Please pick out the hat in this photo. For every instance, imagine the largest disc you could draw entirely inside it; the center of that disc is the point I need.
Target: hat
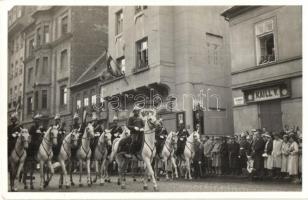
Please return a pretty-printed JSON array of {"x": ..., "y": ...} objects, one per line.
[
  {"x": 57, "y": 116},
  {"x": 243, "y": 134},
  {"x": 76, "y": 116},
  {"x": 37, "y": 116},
  {"x": 115, "y": 118},
  {"x": 285, "y": 136},
  {"x": 267, "y": 135},
  {"x": 136, "y": 107}
]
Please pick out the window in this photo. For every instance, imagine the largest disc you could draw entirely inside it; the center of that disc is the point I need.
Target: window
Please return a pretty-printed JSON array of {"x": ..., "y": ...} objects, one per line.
[
  {"x": 63, "y": 95},
  {"x": 142, "y": 53},
  {"x": 30, "y": 71},
  {"x": 19, "y": 12},
  {"x": 86, "y": 101},
  {"x": 44, "y": 99},
  {"x": 64, "y": 59},
  {"x": 93, "y": 97},
  {"x": 64, "y": 25},
  {"x": 38, "y": 37},
  {"x": 31, "y": 47},
  {"x": 36, "y": 97},
  {"x": 29, "y": 105},
  {"x": 46, "y": 34},
  {"x": 265, "y": 42},
  {"x": 119, "y": 22},
  {"x": 121, "y": 63},
  {"x": 140, "y": 8},
  {"x": 45, "y": 65},
  {"x": 12, "y": 46},
  {"x": 37, "y": 64}
]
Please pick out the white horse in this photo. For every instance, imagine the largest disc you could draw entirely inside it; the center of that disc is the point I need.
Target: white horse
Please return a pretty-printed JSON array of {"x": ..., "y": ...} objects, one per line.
[
  {"x": 18, "y": 157},
  {"x": 65, "y": 155},
  {"x": 147, "y": 153},
  {"x": 100, "y": 156},
  {"x": 189, "y": 153},
  {"x": 84, "y": 152},
  {"x": 45, "y": 153},
  {"x": 168, "y": 153}
]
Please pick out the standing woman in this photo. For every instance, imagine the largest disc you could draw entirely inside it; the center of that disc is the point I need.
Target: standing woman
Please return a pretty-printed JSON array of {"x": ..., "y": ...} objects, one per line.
[
  {"x": 293, "y": 158},
  {"x": 216, "y": 163},
  {"x": 276, "y": 153},
  {"x": 300, "y": 144},
  {"x": 268, "y": 159},
  {"x": 285, "y": 155}
]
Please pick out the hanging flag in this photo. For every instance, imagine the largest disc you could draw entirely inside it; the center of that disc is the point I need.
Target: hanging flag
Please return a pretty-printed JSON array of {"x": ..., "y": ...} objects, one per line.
[{"x": 113, "y": 68}]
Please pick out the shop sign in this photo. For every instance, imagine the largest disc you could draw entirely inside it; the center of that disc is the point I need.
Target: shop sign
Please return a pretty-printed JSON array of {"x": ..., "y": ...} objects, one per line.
[
  {"x": 238, "y": 101},
  {"x": 267, "y": 93}
]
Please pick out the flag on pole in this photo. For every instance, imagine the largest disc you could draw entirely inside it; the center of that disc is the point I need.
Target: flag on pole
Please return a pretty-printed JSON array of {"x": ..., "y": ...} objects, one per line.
[{"x": 113, "y": 67}]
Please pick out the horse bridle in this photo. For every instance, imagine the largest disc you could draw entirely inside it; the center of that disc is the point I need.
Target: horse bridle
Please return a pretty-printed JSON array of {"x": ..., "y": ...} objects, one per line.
[{"x": 51, "y": 136}]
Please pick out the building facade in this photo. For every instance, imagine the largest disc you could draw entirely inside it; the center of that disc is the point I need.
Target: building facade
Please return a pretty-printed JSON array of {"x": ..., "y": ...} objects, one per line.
[
  {"x": 18, "y": 19},
  {"x": 60, "y": 43},
  {"x": 172, "y": 57},
  {"x": 266, "y": 63}
]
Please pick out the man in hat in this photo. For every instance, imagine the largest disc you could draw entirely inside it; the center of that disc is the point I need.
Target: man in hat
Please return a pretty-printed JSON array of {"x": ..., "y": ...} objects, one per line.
[
  {"x": 245, "y": 149},
  {"x": 136, "y": 125},
  {"x": 61, "y": 134},
  {"x": 13, "y": 130},
  {"x": 233, "y": 149},
  {"x": 182, "y": 137},
  {"x": 207, "y": 149},
  {"x": 36, "y": 132},
  {"x": 257, "y": 152},
  {"x": 160, "y": 136},
  {"x": 116, "y": 130}
]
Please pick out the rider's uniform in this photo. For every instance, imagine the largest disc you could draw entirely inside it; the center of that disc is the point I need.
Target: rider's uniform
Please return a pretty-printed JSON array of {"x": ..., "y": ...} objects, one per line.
[
  {"x": 160, "y": 137},
  {"x": 133, "y": 123},
  {"x": 182, "y": 137},
  {"x": 80, "y": 128},
  {"x": 36, "y": 132},
  {"x": 115, "y": 132}
]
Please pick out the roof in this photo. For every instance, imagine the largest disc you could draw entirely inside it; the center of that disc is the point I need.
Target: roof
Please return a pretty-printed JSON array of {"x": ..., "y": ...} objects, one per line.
[
  {"x": 94, "y": 70},
  {"x": 236, "y": 10}
]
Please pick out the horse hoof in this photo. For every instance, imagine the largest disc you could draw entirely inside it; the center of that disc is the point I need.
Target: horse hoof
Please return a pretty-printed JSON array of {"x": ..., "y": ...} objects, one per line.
[
  {"x": 135, "y": 180},
  {"x": 80, "y": 185},
  {"x": 123, "y": 187},
  {"x": 60, "y": 186},
  {"x": 72, "y": 184},
  {"x": 67, "y": 186},
  {"x": 31, "y": 187},
  {"x": 94, "y": 181},
  {"x": 145, "y": 187},
  {"x": 156, "y": 189},
  {"x": 25, "y": 187},
  {"x": 101, "y": 184}
]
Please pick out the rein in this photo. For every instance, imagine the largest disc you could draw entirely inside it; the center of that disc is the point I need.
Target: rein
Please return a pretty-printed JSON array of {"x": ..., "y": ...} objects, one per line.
[{"x": 18, "y": 155}]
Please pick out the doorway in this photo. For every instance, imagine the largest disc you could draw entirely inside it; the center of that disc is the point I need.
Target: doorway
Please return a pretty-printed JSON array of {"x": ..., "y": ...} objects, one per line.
[{"x": 270, "y": 116}]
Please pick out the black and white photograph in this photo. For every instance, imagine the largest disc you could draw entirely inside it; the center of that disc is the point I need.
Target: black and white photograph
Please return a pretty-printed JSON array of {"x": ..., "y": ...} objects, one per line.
[{"x": 128, "y": 98}]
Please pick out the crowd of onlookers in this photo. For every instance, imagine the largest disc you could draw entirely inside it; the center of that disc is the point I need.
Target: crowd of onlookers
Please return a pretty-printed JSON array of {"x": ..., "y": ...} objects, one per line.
[{"x": 257, "y": 154}]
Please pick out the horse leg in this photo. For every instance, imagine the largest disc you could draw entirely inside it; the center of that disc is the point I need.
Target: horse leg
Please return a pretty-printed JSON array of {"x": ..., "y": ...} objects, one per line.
[
  {"x": 71, "y": 168},
  {"x": 52, "y": 171},
  {"x": 20, "y": 167},
  {"x": 13, "y": 176},
  {"x": 24, "y": 177},
  {"x": 151, "y": 172},
  {"x": 174, "y": 166},
  {"x": 89, "y": 172},
  {"x": 32, "y": 167},
  {"x": 41, "y": 174},
  {"x": 188, "y": 168},
  {"x": 102, "y": 172},
  {"x": 64, "y": 174},
  {"x": 96, "y": 171},
  {"x": 80, "y": 172},
  {"x": 165, "y": 160}
]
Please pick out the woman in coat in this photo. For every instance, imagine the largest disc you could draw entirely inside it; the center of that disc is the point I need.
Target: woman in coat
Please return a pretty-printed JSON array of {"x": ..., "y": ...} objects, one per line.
[
  {"x": 285, "y": 155},
  {"x": 216, "y": 163},
  {"x": 293, "y": 157},
  {"x": 268, "y": 160}
]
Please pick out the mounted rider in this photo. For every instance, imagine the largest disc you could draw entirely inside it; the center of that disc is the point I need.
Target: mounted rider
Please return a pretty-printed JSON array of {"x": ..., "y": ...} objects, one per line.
[
  {"x": 116, "y": 130},
  {"x": 136, "y": 125},
  {"x": 160, "y": 136},
  {"x": 13, "y": 130},
  {"x": 76, "y": 126},
  {"x": 182, "y": 137},
  {"x": 61, "y": 135},
  {"x": 98, "y": 130}
]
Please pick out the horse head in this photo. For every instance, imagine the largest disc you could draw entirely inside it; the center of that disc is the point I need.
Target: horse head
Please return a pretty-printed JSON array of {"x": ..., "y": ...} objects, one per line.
[
  {"x": 53, "y": 134},
  {"x": 74, "y": 137},
  {"x": 89, "y": 131},
  {"x": 174, "y": 137},
  {"x": 106, "y": 138},
  {"x": 151, "y": 122},
  {"x": 25, "y": 137},
  {"x": 196, "y": 137}
]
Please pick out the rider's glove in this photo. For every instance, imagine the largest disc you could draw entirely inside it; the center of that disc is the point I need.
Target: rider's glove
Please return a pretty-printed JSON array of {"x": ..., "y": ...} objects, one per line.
[{"x": 136, "y": 128}]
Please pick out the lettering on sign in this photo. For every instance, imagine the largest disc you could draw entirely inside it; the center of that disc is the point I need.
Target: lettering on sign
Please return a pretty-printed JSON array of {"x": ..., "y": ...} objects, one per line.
[
  {"x": 238, "y": 101},
  {"x": 267, "y": 94}
]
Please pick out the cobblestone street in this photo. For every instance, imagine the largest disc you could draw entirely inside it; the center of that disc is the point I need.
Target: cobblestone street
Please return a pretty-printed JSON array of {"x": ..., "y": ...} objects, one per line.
[{"x": 203, "y": 185}]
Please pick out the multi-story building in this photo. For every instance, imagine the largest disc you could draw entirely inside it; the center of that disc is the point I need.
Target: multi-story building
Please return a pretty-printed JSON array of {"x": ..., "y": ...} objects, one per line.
[
  {"x": 176, "y": 52},
  {"x": 18, "y": 18},
  {"x": 266, "y": 63},
  {"x": 60, "y": 43}
]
